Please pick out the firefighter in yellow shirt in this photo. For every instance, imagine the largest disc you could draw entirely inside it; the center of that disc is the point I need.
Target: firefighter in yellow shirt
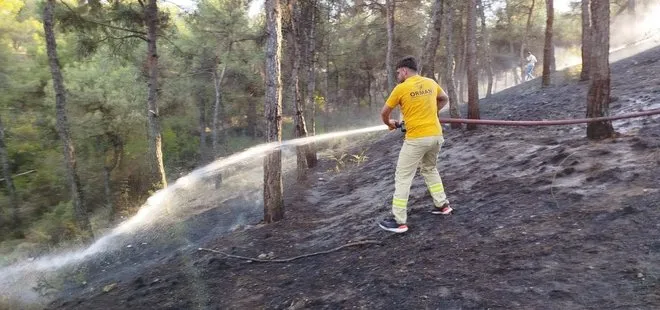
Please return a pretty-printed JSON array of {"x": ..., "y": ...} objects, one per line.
[{"x": 420, "y": 99}]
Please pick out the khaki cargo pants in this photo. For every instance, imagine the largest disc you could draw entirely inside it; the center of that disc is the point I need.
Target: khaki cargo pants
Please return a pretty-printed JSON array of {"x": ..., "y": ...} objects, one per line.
[{"x": 422, "y": 153}]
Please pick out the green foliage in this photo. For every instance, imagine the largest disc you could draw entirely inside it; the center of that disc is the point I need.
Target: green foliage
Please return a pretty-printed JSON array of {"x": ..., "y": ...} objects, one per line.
[
  {"x": 55, "y": 226},
  {"x": 344, "y": 160},
  {"x": 102, "y": 51}
]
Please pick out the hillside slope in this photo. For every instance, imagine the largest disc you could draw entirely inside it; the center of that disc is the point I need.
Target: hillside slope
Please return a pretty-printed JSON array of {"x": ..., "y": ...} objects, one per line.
[{"x": 544, "y": 219}]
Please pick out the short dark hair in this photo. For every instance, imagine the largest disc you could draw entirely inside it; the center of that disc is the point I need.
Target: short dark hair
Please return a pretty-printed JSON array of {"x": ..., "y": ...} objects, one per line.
[{"x": 408, "y": 62}]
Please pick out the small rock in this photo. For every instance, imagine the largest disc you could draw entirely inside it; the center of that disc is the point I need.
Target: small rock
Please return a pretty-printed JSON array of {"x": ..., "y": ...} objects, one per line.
[
  {"x": 640, "y": 275},
  {"x": 129, "y": 246},
  {"x": 262, "y": 256},
  {"x": 109, "y": 287}
]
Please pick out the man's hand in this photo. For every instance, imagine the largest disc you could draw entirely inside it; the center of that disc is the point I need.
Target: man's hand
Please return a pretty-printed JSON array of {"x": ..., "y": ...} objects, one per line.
[
  {"x": 442, "y": 100},
  {"x": 392, "y": 124}
]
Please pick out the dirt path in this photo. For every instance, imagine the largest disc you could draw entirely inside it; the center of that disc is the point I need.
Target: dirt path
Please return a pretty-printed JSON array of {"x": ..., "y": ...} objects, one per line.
[{"x": 545, "y": 219}]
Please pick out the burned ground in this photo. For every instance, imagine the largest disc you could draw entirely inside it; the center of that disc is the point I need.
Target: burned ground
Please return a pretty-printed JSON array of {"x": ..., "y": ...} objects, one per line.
[{"x": 545, "y": 219}]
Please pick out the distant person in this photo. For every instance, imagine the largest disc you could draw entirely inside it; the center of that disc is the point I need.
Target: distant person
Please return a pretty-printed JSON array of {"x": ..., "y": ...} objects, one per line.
[
  {"x": 529, "y": 68},
  {"x": 420, "y": 99}
]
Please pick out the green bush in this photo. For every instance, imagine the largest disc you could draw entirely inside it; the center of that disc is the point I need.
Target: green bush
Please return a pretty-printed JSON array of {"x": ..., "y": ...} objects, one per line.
[{"x": 54, "y": 226}]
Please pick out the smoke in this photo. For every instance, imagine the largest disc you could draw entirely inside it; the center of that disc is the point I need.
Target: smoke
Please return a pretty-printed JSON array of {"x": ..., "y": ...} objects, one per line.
[{"x": 630, "y": 34}]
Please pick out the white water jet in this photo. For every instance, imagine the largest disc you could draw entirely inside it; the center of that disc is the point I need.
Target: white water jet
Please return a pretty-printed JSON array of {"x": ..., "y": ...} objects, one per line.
[{"x": 168, "y": 205}]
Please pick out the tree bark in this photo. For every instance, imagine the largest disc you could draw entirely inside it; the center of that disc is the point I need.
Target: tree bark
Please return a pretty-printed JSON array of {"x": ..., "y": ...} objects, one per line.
[
  {"x": 524, "y": 41},
  {"x": 273, "y": 198},
  {"x": 472, "y": 72},
  {"x": 9, "y": 182},
  {"x": 201, "y": 120},
  {"x": 598, "y": 98},
  {"x": 586, "y": 40},
  {"x": 389, "y": 7},
  {"x": 432, "y": 41},
  {"x": 115, "y": 144},
  {"x": 62, "y": 124},
  {"x": 450, "y": 67},
  {"x": 461, "y": 53},
  {"x": 486, "y": 52},
  {"x": 516, "y": 76},
  {"x": 154, "y": 139},
  {"x": 312, "y": 159},
  {"x": 548, "y": 48},
  {"x": 300, "y": 128},
  {"x": 217, "y": 136}
]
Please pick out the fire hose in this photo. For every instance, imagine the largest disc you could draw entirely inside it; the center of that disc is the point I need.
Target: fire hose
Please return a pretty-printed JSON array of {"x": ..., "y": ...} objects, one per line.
[{"x": 548, "y": 122}]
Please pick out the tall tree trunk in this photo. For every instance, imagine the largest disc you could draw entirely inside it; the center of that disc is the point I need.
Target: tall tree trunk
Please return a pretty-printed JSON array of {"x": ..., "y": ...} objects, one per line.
[
  {"x": 273, "y": 198},
  {"x": 632, "y": 7},
  {"x": 486, "y": 52},
  {"x": 217, "y": 136},
  {"x": 9, "y": 182},
  {"x": 586, "y": 40},
  {"x": 62, "y": 124},
  {"x": 450, "y": 67},
  {"x": 154, "y": 139},
  {"x": 523, "y": 44},
  {"x": 311, "y": 79},
  {"x": 201, "y": 120},
  {"x": 472, "y": 72},
  {"x": 115, "y": 144},
  {"x": 548, "y": 48},
  {"x": 461, "y": 52},
  {"x": 300, "y": 128},
  {"x": 598, "y": 98},
  {"x": 516, "y": 76},
  {"x": 389, "y": 7},
  {"x": 432, "y": 41}
]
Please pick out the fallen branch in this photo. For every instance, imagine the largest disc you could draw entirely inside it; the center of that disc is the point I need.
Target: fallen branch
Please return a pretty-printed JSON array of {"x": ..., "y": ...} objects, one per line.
[{"x": 286, "y": 260}]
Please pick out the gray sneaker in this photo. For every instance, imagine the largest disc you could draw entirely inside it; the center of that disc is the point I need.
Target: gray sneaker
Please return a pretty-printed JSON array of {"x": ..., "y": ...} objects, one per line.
[{"x": 391, "y": 225}]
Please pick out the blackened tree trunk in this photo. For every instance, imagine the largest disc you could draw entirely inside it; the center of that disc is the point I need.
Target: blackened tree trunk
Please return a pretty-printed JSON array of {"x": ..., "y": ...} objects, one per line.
[
  {"x": 432, "y": 41},
  {"x": 273, "y": 198},
  {"x": 310, "y": 21},
  {"x": 598, "y": 98},
  {"x": 154, "y": 139},
  {"x": 472, "y": 71},
  {"x": 548, "y": 48},
  {"x": 448, "y": 75},
  {"x": 300, "y": 128},
  {"x": 389, "y": 8},
  {"x": 9, "y": 182},
  {"x": 486, "y": 52},
  {"x": 586, "y": 40},
  {"x": 62, "y": 124}
]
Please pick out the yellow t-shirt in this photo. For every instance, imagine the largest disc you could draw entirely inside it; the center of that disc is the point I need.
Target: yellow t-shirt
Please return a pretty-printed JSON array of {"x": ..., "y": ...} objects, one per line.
[{"x": 416, "y": 97}]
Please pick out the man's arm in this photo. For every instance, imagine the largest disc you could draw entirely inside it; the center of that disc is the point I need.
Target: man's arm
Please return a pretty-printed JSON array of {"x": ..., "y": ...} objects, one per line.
[
  {"x": 442, "y": 100},
  {"x": 385, "y": 116}
]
